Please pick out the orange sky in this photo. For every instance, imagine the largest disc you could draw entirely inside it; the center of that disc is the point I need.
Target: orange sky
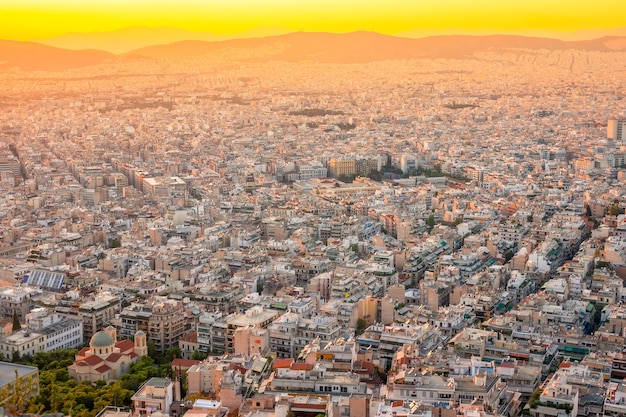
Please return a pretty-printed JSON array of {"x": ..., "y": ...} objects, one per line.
[{"x": 41, "y": 19}]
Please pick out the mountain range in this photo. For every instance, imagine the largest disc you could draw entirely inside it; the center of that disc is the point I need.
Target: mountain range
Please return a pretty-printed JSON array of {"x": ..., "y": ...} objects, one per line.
[{"x": 353, "y": 47}]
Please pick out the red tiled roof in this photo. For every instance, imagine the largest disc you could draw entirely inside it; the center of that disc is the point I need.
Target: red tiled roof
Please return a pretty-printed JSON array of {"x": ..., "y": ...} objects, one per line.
[
  {"x": 83, "y": 351},
  {"x": 183, "y": 363},
  {"x": 132, "y": 355},
  {"x": 238, "y": 368},
  {"x": 301, "y": 366},
  {"x": 565, "y": 365},
  {"x": 190, "y": 337},
  {"x": 114, "y": 357},
  {"x": 282, "y": 363},
  {"x": 125, "y": 345},
  {"x": 93, "y": 360},
  {"x": 102, "y": 369}
]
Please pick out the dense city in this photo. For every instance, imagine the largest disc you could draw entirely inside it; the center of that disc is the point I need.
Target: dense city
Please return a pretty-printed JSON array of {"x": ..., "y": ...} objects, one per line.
[{"x": 225, "y": 235}]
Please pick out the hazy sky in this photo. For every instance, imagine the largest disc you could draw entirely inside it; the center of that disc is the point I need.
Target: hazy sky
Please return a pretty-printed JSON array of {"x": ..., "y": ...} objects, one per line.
[{"x": 39, "y": 19}]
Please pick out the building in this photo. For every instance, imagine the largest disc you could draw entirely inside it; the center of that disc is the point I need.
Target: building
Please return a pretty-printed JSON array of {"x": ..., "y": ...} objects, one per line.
[
  {"x": 338, "y": 167},
  {"x": 59, "y": 332},
  {"x": 557, "y": 398},
  {"x": 161, "y": 319},
  {"x": 205, "y": 377},
  {"x": 188, "y": 344},
  {"x": 22, "y": 342},
  {"x": 17, "y": 300},
  {"x": 615, "y": 401},
  {"x": 106, "y": 358},
  {"x": 95, "y": 314},
  {"x": 164, "y": 186},
  {"x": 616, "y": 129},
  {"x": 157, "y": 394},
  {"x": 28, "y": 377}
]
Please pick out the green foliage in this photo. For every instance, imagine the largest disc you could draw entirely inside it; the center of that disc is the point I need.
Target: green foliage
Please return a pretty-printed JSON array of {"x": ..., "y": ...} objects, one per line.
[
  {"x": 375, "y": 175},
  {"x": 14, "y": 396},
  {"x": 615, "y": 210},
  {"x": 199, "y": 356},
  {"x": 172, "y": 353},
  {"x": 361, "y": 325},
  {"x": 347, "y": 178},
  {"x": 59, "y": 393},
  {"x": 430, "y": 221},
  {"x": 392, "y": 169},
  {"x": 16, "y": 322}
]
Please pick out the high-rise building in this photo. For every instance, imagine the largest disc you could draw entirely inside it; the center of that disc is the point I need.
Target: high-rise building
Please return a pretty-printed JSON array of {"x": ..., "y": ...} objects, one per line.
[{"x": 616, "y": 129}]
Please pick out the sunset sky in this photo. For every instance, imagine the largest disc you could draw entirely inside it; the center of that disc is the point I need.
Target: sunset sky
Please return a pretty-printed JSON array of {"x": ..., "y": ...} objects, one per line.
[{"x": 41, "y": 19}]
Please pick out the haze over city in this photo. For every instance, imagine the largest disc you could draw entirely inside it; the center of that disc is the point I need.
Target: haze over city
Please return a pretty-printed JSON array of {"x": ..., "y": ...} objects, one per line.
[{"x": 312, "y": 209}]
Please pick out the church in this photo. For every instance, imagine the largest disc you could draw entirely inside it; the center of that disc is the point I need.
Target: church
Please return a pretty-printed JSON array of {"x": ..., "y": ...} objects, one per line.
[{"x": 106, "y": 358}]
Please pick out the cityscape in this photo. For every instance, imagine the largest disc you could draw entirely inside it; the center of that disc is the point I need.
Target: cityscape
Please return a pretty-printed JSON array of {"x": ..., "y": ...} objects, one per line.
[{"x": 313, "y": 223}]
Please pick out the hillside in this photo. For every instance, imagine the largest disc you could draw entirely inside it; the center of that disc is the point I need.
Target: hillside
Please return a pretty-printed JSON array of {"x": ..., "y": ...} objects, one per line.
[{"x": 30, "y": 56}]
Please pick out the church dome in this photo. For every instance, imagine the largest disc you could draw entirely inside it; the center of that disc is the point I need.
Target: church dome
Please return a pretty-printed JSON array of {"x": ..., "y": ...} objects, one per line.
[{"x": 101, "y": 339}]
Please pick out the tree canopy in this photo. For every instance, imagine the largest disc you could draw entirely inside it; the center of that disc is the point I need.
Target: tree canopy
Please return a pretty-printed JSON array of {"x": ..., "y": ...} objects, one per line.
[{"x": 59, "y": 393}]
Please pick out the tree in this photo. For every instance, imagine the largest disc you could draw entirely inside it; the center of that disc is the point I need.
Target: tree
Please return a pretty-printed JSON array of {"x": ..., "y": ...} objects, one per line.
[
  {"x": 361, "y": 325},
  {"x": 14, "y": 397},
  {"x": 615, "y": 210},
  {"x": 198, "y": 356},
  {"x": 16, "y": 322},
  {"x": 375, "y": 175},
  {"x": 430, "y": 221},
  {"x": 172, "y": 353}
]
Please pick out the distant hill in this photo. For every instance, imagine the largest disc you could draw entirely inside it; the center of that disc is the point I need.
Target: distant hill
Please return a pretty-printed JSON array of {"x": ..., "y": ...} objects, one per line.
[
  {"x": 354, "y": 47},
  {"x": 128, "y": 39},
  {"x": 359, "y": 47},
  {"x": 32, "y": 56}
]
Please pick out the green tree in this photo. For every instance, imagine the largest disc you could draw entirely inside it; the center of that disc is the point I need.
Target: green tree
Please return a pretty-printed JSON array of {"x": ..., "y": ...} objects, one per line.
[
  {"x": 430, "y": 221},
  {"x": 14, "y": 396},
  {"x": 172, "y": 353},
  {"x": 375, "y": 175},
  {"x": 361, "y": 325},
  {"x": 198, "y": 356},
  {"x": 16, "y": 322},
  {"x": 59, "y": 393},
  {"x": 615, "y": 210}
]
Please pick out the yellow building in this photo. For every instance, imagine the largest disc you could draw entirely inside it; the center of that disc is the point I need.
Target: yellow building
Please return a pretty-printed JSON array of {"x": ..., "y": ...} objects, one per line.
[{"x": 337, "y": 167}]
